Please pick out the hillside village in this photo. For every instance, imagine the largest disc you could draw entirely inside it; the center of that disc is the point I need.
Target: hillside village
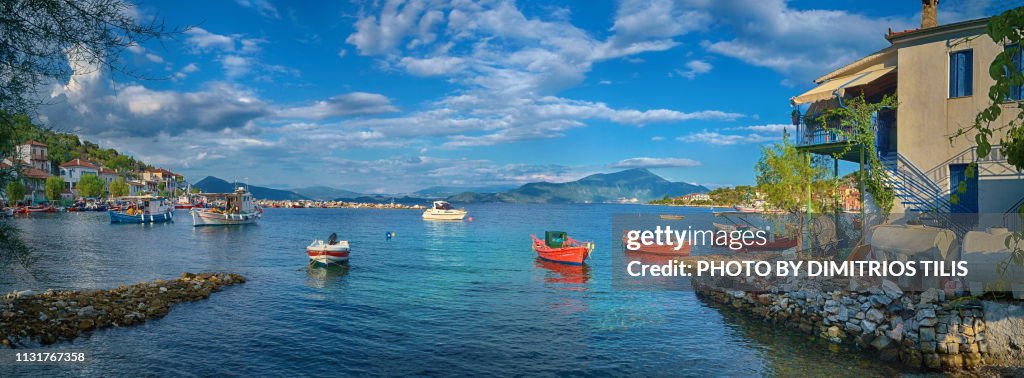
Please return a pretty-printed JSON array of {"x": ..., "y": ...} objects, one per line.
[{"x": 35, "y": 165}]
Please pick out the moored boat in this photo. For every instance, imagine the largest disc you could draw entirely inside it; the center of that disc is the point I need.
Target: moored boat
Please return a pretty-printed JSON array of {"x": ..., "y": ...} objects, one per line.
[
  {"x": 229, "y": 209},
  {"x": 36, "y": 209},
  {"x": 558, "y": 247},
  {"x": 442, "y": 210},
  {"x": 184, "y": 203},
  {"x": 671, "y": 217},
  {"x": 143, "y": 209},
  {"x": 332, "y": 252},
  {"x": 8, "y": 212}
]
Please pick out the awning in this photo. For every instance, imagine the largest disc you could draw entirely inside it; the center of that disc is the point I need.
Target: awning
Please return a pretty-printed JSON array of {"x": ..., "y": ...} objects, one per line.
[{"x": 838, "y": 85}]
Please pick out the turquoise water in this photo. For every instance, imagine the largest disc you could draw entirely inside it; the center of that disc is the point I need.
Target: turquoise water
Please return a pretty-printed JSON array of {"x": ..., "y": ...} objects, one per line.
[{"x": 439, "y": 298}]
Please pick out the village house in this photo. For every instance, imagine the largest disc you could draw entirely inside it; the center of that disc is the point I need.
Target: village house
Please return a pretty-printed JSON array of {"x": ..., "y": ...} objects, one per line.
[
  {"x": 108, "y": 176},
  {"x": 695, "y": 197},
  {"x": 156, "y": 177},
  {"x": 35, "y": 155},
  {"x": 940, "y": 76},
  {"x": 137, "y": 188},
  {"x": 34, "y": 181},
  {"x": 74, "y": 170}
]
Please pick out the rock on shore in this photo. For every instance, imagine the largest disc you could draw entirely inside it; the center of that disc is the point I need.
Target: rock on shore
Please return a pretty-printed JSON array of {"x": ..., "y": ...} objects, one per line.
[{"x": 63, "y": 315}]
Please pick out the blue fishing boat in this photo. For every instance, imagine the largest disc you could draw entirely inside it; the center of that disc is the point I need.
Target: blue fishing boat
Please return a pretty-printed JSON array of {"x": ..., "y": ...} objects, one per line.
[{"x": 143, "y": 209}]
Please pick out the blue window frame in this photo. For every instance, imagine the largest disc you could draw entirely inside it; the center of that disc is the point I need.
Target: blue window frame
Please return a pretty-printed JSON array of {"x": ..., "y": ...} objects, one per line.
[
  {"x": 961, "y": 73},
  {"x": 1016, "y": 91}
]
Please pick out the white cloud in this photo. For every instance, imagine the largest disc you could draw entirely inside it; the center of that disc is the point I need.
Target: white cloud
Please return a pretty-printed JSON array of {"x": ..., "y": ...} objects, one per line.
[
  {"x": 342, "y": 52},
  {"x": 694, "y": 68},
  {"x": 799, "y": 43},
  {"x": 235, "y": 65},
  {"x": 355, "y": 103},
  {"x": 190, "y": 68},
  {"x": 770, "y": 129},
  {"x": 202, "y": 40},
  {"x": 264, "y": 7},
  {"x": 649, "y": 162},
  {"x": 434, "y": 66},
  {"x": 716, "y": 138},
  {"x": 657, "y": 139}
]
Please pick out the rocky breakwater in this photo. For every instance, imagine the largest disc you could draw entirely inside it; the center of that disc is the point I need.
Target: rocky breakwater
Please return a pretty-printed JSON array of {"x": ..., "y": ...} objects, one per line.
[
  {"x": 919, "y": 330},
  {"x": 63, "y": 315}
]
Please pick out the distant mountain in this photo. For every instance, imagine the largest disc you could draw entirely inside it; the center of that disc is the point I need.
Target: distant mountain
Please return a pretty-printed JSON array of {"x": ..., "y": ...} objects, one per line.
[
  {"x": 324, "y": 193},
  {"x": 637, "y": 183},
  {"x": 212, "y": 184},
  {"x": 448, "y": 191}
]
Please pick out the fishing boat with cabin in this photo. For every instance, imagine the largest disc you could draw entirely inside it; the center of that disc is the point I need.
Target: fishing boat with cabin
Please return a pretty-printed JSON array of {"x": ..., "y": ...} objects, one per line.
[
  {"x": 558, "y": 247},
  {"x": 227, "y": 209},
  {"x": 143, "y": 209}
]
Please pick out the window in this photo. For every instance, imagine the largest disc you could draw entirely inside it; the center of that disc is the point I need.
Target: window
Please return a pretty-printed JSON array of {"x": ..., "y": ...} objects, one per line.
[
  {"x": 1016, "y": 90},
  {"x": 961, "y": 73}
]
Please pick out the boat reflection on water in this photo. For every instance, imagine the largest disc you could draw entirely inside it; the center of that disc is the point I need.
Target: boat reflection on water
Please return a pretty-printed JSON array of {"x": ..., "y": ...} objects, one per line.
[
  {"x": 324, "y": 276},
  {"x": 564, "y": 273}
]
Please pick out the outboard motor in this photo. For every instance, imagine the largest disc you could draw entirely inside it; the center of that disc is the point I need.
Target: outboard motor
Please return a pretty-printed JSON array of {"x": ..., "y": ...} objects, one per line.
[{"x": 333, "y": 239}]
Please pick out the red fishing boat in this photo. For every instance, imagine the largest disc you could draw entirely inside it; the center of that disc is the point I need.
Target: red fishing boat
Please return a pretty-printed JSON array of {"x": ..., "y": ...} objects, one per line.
[
  {"x": 559, "y": 247},
  {"x": 35, "y": 209}
]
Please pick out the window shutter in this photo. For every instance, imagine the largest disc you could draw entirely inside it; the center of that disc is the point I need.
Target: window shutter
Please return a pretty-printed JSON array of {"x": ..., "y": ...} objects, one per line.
[
  {"x": 968, "y": 67},
  {"x": 952, "y": 75}
]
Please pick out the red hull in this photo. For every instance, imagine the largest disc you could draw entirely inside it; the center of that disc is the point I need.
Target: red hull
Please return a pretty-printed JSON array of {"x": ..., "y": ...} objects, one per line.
[
  {"x": 184, "y": 207},
  {"x": 574, "y": 253},
  {"x": 326, "y": 253}
]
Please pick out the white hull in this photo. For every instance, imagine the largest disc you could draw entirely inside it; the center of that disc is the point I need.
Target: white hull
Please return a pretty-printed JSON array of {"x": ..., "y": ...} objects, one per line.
[
  {"x": 323, "y": 253},
  {"x": 435, "y": 214},
  {"x": 207, "y": 218}
]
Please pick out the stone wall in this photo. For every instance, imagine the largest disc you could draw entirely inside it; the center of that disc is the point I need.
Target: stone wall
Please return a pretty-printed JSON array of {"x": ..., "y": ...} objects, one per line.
[{"x": 919, "y": 330}]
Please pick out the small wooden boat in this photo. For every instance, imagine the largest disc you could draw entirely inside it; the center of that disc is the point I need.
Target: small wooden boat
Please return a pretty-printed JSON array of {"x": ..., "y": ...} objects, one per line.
[
  {"x": 143, "y": 209},
  {"x": 559, "y": 247},
  {"x": 35, "y": 209},
  {"x": 671, "y": 217},
  {"x": 667, "y": 249},
  {"x": 332, "y": 252},
  {"x": 733, "y": 227},
  {"x": 238, "y": 208}
]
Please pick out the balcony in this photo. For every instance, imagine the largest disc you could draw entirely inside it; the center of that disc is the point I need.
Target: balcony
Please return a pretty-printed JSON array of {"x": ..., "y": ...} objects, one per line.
[{"x": 829, "y": 137}]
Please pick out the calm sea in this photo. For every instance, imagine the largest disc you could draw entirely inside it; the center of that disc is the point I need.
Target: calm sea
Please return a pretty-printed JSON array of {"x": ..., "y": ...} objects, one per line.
[{"x": 466, "y": 298}]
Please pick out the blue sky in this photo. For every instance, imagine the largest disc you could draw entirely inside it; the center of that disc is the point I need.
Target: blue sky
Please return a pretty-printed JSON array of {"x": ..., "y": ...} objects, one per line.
[{"x": 394, "y": 96}]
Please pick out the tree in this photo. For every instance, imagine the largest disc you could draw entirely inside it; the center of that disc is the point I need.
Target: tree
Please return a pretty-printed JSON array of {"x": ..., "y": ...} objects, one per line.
[
  {"x": 16, "y": 191},
  {"x": 784, "y": 175},
  {"x": 857, "y": 126},
  {"x": 119, "y": 188},
  {"x": 90, "y": 186},
  {"x": 54, "y": 188}
]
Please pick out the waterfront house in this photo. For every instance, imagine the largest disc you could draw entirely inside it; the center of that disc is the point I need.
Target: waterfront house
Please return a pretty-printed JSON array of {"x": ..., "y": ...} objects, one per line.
[
  {"x": 74, "y": 170},
  {"x": 108, "y": 176},
  {"x": 940, "y": 77},
  {"x": 137, "y": 188},
  {"x": 34, "y": 181},
  {"x": 158, "y": 176},
  {"x": 34, "y": 154}
]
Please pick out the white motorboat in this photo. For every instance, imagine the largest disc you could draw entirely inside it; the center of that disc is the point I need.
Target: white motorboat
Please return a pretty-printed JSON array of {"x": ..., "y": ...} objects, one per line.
[
  {"x": 442, "y": 210},
  {"x": 229, "y": 209},
  {"x": 332, "y": 252}
]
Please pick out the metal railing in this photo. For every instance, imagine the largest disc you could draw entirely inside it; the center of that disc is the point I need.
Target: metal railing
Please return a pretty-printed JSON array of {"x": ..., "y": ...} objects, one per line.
[
  {"x": 1012, "y": 218},
  {"x": 813, "y": 130}
]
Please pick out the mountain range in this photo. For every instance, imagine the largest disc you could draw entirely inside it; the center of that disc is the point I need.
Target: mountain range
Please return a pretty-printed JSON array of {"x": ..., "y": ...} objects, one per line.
[
  {"x": 633, "y": 184},
  {"x": 212, "y": 184},
  {"x": 638, "y": 183}
]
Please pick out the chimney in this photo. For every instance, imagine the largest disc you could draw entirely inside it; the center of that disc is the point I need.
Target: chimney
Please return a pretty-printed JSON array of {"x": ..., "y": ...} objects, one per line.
[{"x": 929, "y": 13}]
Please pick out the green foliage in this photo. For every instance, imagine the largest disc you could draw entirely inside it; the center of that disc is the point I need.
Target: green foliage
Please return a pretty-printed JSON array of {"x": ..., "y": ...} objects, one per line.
[
  {"x": 857, "y": 125},
  {"x": 15, "y": 191},
  {"x": 54, "y": 188},
  {"x": 784, "y": 176},
  {"x": 119, "y": 188},
  {"x": 90, "y": 186}
]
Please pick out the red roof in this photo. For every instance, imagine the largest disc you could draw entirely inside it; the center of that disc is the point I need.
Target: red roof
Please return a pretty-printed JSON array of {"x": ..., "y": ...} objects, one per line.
[
  {"x": 78, "y": 163},
  {"x": 107, "y": 171},
  {"x": 34, "y": 173},
  {"x": 34, "y": 143}
]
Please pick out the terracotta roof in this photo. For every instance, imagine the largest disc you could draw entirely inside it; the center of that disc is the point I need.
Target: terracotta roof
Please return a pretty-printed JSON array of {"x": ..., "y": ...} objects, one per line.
[
  {"x": 107, "y": 171},
  {"x": 34, "y": 143},
  {"x": 78, "y": 163},
  {"x": 34, "y": 173}
]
